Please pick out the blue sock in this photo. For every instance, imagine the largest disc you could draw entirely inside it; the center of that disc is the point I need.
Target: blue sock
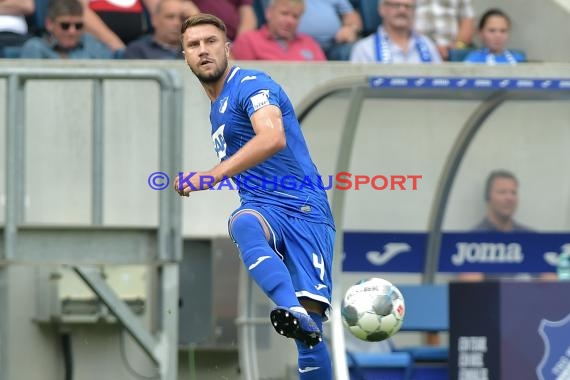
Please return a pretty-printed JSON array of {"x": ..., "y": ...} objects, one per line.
[
  {"x": 264, "y": 265},
  {"x": 315, "y": 363}
]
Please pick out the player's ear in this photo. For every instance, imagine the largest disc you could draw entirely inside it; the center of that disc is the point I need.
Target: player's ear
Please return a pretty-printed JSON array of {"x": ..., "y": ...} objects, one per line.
[{"x": 227, "y": 49}]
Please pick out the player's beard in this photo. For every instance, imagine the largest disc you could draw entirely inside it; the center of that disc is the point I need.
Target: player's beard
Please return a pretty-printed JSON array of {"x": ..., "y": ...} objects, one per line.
[{"x": 213, "y": 77}]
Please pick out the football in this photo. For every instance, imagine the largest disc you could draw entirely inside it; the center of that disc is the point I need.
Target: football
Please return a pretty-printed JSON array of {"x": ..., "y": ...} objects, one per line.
[{"x": 373, "y": 309}]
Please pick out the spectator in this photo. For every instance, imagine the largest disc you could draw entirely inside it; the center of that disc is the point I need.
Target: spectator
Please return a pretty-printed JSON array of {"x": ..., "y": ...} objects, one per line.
[
  {"x": 164, "y": 43},
  {"x": 501, "y": 195},
  {"x": 278, "y": 39},
  {"x": 334, "y": 24},
  {"x": 13, "y": 26},
  {"x": 450, "y": 24},
  {"x": 117, "y": 23},
  {"x": 66, "y": 38},
  {"x": 238, "y": 15},
  {"x": 494, "y": 33},
  {"x": 395, "y": 41}
]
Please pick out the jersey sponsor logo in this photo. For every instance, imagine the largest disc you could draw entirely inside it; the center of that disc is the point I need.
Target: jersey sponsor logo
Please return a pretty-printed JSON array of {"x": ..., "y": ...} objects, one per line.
[
  {"x": 260, "y": 99},
  {"x": 249, "y": 77},
  {"x": 224, "y": 105},
  {"x": 391, "y": 250},
  {"x": 219, "y": 142}
]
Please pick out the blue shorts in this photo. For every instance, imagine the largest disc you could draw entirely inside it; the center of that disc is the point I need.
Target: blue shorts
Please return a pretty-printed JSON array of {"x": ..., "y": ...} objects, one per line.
[{"x": 305, "y": 247}]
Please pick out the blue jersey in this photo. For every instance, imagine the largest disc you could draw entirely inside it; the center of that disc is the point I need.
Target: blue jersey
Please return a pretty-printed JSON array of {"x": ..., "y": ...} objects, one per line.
[
  {"x": 485, "y": 56},
  {"x": 289, "y": 180}
]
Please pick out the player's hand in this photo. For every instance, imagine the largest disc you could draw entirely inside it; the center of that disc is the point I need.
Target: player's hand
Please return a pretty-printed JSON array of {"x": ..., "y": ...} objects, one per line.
[{"x": 186, "y": 182}]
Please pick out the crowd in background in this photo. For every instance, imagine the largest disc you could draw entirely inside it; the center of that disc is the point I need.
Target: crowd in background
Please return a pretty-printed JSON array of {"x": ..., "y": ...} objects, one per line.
[{"x": 386, "y": 31}]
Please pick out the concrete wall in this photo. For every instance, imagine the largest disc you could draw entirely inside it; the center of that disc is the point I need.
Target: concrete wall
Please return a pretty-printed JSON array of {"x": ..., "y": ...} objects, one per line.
[{"x": 395, "y": 136}]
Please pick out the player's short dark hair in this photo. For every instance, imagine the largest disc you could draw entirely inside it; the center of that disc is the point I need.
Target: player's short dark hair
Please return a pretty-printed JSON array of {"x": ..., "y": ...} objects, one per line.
[
  {"x": 58, "y": 8},
  {"x": 203, "y": 19},
  {"x": 501, "y": 173},
  {"x": 493, "y": 12}
]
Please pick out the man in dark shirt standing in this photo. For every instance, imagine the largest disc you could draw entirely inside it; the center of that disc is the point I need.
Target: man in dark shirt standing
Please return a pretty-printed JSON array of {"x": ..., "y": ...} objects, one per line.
[{"x": 501, "y": 194}]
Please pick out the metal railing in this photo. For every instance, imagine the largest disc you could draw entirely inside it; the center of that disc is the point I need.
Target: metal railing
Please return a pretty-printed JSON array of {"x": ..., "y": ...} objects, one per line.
[{"x": 160, "y": 246}]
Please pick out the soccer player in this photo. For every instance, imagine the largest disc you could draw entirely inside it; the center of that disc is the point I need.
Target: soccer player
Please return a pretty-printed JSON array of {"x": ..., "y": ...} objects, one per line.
[{"x": 284, "y": 227}]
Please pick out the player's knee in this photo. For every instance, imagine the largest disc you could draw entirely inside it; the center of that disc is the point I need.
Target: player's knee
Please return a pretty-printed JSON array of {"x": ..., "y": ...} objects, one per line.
[{"x": 246, "y": 225}]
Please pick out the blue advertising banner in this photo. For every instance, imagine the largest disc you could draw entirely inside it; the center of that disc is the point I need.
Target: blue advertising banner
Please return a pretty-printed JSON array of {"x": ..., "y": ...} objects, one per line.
[
  {"x": 509, "y": 330},
  {"x": 460, "y": 252},
  {"x": 465, "y": 83}
]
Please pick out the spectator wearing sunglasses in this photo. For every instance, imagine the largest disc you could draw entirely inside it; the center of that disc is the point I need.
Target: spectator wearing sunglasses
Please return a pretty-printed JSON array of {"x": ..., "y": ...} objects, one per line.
[{"x": 65, "y": 35}]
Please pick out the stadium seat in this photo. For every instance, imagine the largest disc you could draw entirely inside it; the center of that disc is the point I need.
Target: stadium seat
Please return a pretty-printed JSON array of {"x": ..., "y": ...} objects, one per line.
[
  {"x": 385, "y": 365},
  {"x": 370, "y": 18},
  {"x": 427, "y": 307},
  {"x": 427, "y": 310}
]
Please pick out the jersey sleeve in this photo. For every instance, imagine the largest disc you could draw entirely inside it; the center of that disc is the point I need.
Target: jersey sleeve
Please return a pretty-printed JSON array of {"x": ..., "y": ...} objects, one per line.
[{"x": 257, "y": 91}]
